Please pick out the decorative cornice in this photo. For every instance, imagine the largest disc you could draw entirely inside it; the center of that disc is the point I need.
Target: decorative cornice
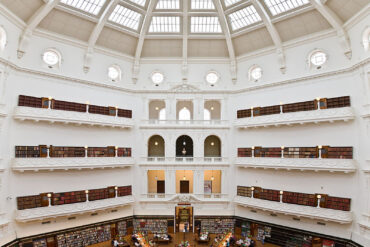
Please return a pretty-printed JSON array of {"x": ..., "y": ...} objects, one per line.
[
  {"x": 186, "y": 124},
  {"x": 302, "y": 164},
  {"x": 303, "y": 117},
  {"x": 51, "y": 164},
  {"x": 113, "y": 86},
  {"x": 70, "y": 117},
  {"x": 190, "y": 198},
  {"x": 325, "y": 214},
  {"x": 36, "y": 214},
  {"x": 185, "y": 161}
]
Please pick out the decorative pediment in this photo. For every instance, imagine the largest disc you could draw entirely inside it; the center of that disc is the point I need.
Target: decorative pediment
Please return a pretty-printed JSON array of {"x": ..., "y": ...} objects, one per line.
[
  {"x": 184, "y": 88},
  {"x": 184, "y": 198}
]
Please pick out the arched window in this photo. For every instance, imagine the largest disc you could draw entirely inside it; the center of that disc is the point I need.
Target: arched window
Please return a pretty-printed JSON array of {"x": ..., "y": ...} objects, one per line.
[
  {"x": 52, "y": 58},
  {"x": 184, "y": 114},
  {"x": 317, "y": 59},
  {"x": 114, "y": 73},
  {"x": 162, "y": 114},
  {"x": 207, "y": 114},
  {"x": 255, "y": 73},
  {"x": 2, "y": 38}
]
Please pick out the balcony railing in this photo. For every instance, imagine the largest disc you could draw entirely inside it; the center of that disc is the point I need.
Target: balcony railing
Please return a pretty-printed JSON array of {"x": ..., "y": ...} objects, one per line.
[
  {"x": 314, "y": 116},
  {"x": 325, "y": 214},
  {"x": 184, "y": 160},
  {"x": 71, "y": 117},
  {"x": 36, "y": 164},
  {"x": 156, "y": 123},
  {"x": 332, "y": 165},
  {"x": 72, "y": 209},
  {"x": 161, "y": 197}
]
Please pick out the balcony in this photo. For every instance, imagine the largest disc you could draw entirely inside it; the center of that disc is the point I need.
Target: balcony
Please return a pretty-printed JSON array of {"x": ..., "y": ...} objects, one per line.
[
  {"x": 302, "y": 164},
  {"x": 325, "y": 214},
  {"x": 71, "y": 117},
  {"x": 37, "y": 164},
  {"x": 71, "y": 209},
  {"x": 188, "y": 124},
  {"x": 302, "y": 117},
  {"x": 186, "y": 160},
  {"x": 175, "y": 198}
]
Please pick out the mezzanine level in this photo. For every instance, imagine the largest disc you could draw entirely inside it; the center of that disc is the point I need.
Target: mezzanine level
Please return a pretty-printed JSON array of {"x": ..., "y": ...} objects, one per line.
[
  {"x": 189, "y": 124},
  {"x": 184, "y": 160}
]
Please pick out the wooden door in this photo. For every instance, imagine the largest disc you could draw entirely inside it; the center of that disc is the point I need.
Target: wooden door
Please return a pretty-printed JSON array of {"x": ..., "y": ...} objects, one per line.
[
  {"x": 161, "y": 186},
  {"x": 184, "y": 187}
]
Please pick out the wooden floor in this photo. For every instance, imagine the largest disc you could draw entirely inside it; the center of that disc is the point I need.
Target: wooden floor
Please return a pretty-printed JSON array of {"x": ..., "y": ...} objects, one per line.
[{"x": 179, "y": 237}]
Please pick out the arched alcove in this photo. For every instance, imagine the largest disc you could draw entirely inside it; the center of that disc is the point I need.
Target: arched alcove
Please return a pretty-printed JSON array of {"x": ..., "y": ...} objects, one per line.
[
  {"x": 155, "y": 109},
  {"x": 184, "y": 146},
  {"x": 214, "y": 108},
  {"x": 212, "y": 146},
  {"x": 184, "y": 110},
  {"x": 156, "y": 146}
]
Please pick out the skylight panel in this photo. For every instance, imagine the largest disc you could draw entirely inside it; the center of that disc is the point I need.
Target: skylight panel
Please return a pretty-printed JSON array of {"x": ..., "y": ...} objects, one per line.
[
  {"x": 280, "y": 6},
  {"x": 125, "y": 17},
  {"x": 165, "y": 24},
  {"x": 89, "y": 6},
  {"x": 168, "y": 4},
  {"x": 244, "y": 17},
  {"x": 205, "y": 24},
  {"x": 202, "y": 4},
  {"x": 139, "y": 2},
  {"x": 230, "y": 2}
]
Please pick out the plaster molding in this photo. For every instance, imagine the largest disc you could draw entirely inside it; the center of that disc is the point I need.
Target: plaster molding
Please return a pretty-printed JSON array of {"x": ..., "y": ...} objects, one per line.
[
  {"x": 184, "y": 124},
  {"x": 325, "y": 214},
  {"x": 302, "y": 164},
  {"x": 181, "y": 198},
  {"x": 366, "y": 111},
  {"x": 303, "y": 117},
  {"x": 350, "y": 69},
  {"x": 197, "y": 162},
  {"x": 37, "y": 214},
  {"x": 51, "y": 164},
  {"x": 70, "y": 117}
]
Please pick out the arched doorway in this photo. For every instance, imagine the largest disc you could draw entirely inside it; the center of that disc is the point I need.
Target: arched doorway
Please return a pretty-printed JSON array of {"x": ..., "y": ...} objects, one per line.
[
  {"x": 156, "y": 146},
  {"x": 212, "y": 146},
  {"x": 184, "y": 146}
]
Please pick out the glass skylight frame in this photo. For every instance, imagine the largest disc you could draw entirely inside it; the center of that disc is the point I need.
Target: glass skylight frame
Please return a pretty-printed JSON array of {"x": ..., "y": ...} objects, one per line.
[
  {"x": 141, "y": 3},
  {"x": 202, "y": 5},
  {"x": 168, "y": 5},
  {"x": 205, "y": 24},
  {"x": 126, "y": 17},
  {"x": 168, "y": 24},
  {"x": 243, "y": 17},
  {"x": 281, "y": 7},
  {"x": 228, "y": 3},
  {"x": 91, "y": 7}
]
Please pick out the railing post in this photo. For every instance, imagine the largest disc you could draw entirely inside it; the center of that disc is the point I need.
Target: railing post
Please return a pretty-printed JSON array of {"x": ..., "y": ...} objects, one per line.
[
  {"x": 281, "y": 107},
  {"x": 281, "y": 196},
  {"x": 87, "y": 195},
  {"x": 320, "y": 147},
  {"x": 251, "y": 111},
  {"x": 48, "y": 152},
  {"x": 49, "y": 199},
  {"x": 116, "y": 191},
  {"x": 87, "y": 106},
  {"x": 115, "y": 151},
  {"x": 318, "y": 103}
]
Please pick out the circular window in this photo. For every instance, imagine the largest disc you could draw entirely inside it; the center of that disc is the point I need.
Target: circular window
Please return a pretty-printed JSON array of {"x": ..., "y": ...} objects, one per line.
[
  {"x": 50, "y": 57},
  {"x": 255, "y": 73},
  {"x": 212, "y": 77},
  {"x": 318, "y": 58},
  {"x": 114, "y": 73},
  {"x": 157, "y": 77}
]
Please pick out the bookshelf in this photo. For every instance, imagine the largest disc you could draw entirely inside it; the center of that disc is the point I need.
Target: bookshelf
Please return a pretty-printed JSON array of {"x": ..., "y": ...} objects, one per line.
[
  {"x": 327, "y": 152},
  {"x": 151, "y": 225},
  {"x": 217, "y": 225},
  {"x": 336, "y": 203},
  {"x": 40, "y": 243},
  {"x": 121, "y": 228},
  {"x": 44, "y": 102},
  {"x": 324, "y": 103},
  {"x": 60, "y": 152},
  {"x": 124, "y": 152},
  {"x": 70, "y": 197},
  {"x": 27, "y": 151}
]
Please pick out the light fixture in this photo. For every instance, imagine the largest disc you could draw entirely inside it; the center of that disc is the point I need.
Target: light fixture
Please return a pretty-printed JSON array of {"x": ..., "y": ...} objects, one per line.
[
  {"x": 318, "y": 196},
  {"x": 318, "y": 98},
  {"x": 49, "y": 195},
  {"x": 87, "y": 102},
  {"x": 86, "y": 147},
  {"x": 212, "y": 178},
  {"x": 156, "y": 143},
  {"x": 281, "y": 192},
  {"x": 253, "y": 147},
  {"x": 282, "y": 147},
  {"x": 212, "y": 143},
  {"x": 281, "y": 103},
  {"x": 184, "y": 143},
  {"x": 320, "y": 147},
  {"x": 184, "y": 177},
  {"x": 212, "y": 108},
  {"x": 116, "y": 147},
  {"x": 252, "y": 188},
  {"x": 86, "y": 192},
  {"x": 50, "y": 98},
  {"x": 156, "y": 108}
]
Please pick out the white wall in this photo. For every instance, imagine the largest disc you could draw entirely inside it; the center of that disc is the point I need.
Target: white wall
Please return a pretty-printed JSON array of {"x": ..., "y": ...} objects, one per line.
[{"x": 28, "y": 76}]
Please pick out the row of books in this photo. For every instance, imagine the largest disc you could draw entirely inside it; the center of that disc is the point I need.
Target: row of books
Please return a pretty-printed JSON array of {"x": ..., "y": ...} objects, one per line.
[
  {"x": 84, "y": 237},
  {"x": 61, "y": 198},
  {"x": 61, "y": 151},
  {"x": 326, "y": 201},
  {"x": 324, "y": 103},
  {"x": 45, "y": 102},
  {"x": 217, "y": 225},
  {"x": 150, "y": 225},
  {"x": 298, "y": 152}
]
